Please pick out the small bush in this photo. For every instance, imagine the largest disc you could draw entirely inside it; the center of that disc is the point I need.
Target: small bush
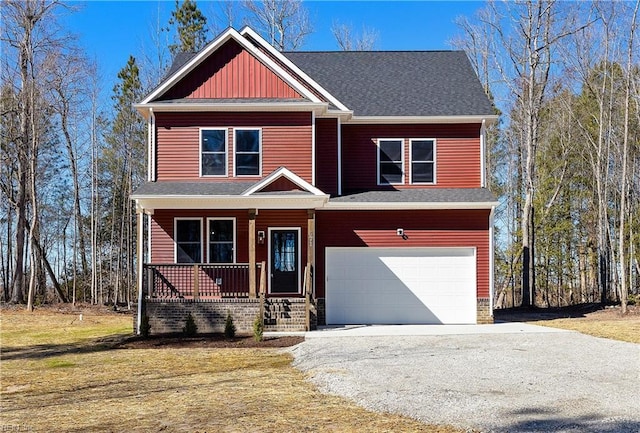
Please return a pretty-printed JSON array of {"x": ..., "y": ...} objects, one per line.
[
  {"x": 145, "y": 327},
  {"x": 190, "y": 328},
  {"x": 229, "y": 327},
  {"x": 258, "y": 328}
]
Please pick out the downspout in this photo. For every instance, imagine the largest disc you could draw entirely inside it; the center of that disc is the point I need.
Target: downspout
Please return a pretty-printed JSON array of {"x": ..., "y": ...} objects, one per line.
[
  {"x": 483, "y": 164},
  {"x": 339, "y": 128},
  {"x": 313, "y": 148},
  {"x": 491, "y": 259},
  {"x": 152, "y": 137}
]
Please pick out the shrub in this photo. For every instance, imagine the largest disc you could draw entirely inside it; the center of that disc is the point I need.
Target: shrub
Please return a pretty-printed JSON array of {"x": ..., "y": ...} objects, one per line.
[
  {"x": 258, "y": 328},
  {"x": 190, "y": 328},
  {"x": 229, "y": 327},
  {"x": 145, "y": 327}
]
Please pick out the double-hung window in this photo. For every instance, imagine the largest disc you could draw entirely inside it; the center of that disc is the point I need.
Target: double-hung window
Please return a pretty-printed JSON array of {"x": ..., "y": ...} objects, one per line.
[
  {"x": 213, "y": 148},
  {"x": 390, "y": 161},
  {"x": 423, "y": 160},
  {"x": 188, "y": 238},
  {"x": 222, "y": 240},
  {"x": 247, "y": 152}
]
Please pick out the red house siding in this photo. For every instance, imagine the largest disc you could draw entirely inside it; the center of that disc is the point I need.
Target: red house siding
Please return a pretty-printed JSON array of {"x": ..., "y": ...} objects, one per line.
[
  {"x": 162, "y": 226},
  {"x": 231, "y": 72},
  {"x": 438, "y": 228},
  {"x": 457, "y": 154},
  {"x": 286, "y": 140},
  {"x": 327, "y": 155}
]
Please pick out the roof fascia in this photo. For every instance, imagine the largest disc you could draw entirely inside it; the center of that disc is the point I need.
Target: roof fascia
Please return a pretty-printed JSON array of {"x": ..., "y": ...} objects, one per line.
[
  {"x": 294, "y": 201},
  {"x": 317, "y": 107},
  {"x": 228, "y": 34},
  {"x": 288, "y": 174},
  {"x": 409, "y": 205},
  {"x": 249, "y": 31},
  {"x": 422, "y": 119}
]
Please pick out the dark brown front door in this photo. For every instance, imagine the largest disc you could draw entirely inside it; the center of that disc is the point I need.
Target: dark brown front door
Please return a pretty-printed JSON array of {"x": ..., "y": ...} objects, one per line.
[{"x": 284, "y": 260}]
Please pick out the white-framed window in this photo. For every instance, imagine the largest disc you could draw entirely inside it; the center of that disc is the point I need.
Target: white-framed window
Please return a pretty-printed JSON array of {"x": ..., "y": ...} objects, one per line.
[
  {"x": 248, "y": 151},
  {"x": 221, "y": 240},
  {"x": 187, "y": 235},
  {"x": 213, "y": 152},
  {"x": 422, "y": 153},
  {"x": 390, "y": 161}
]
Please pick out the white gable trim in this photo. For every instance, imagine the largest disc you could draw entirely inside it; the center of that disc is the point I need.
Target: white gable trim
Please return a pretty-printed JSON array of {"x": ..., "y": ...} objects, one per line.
[
  {"x": 288, "y": 174},
  {"x": 248, "y": 31},
  {"x": 230, "y": 33}
]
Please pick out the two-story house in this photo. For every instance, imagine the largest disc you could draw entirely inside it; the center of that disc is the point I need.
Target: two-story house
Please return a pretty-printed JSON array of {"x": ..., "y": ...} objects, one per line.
[{"x": 345, "y": 187}]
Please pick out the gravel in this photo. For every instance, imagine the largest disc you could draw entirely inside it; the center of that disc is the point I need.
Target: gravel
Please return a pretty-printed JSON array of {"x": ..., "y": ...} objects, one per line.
[{"x": 525, "y": 382}]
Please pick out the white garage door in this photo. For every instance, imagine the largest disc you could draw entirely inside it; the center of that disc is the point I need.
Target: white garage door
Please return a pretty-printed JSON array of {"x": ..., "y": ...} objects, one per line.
[{"x": 400, "y": 285}]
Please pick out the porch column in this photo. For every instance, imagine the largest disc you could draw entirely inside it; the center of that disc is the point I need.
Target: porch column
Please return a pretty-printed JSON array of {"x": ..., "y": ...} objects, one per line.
[
  {"x": 252, "y": 253},
  {"x": 311, "y": 237},
  {"x": 140, "y": 258}
]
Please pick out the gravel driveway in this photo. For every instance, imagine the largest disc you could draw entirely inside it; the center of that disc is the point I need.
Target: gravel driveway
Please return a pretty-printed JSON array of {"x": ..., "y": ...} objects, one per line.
[{"x": 533, "y": 381}]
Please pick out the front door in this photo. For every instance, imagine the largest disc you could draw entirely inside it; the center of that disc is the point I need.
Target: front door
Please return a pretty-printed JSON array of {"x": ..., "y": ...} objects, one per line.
[{"x": 284, "y": 258}]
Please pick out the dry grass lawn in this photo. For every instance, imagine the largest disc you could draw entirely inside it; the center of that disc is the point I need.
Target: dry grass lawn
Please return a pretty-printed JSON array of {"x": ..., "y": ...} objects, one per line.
[
  {"x": 63, "y": 374},
  {"x": 606, "y": 324}
]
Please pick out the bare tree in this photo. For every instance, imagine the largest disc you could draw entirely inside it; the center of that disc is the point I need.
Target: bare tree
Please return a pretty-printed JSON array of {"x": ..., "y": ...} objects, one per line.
[
  {"x": 284, "y": 23},
  {"x": 348, "y": 40}
]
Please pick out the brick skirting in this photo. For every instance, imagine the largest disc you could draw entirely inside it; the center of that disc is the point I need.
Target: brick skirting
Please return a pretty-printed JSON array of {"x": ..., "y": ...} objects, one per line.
[
  {"x": 484, "y": 314},
  {"x": 280, "y": 314}
]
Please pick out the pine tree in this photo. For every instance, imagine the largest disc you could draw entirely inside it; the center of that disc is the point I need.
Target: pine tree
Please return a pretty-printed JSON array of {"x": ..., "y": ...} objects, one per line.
[{"x": 190, "y": 25}]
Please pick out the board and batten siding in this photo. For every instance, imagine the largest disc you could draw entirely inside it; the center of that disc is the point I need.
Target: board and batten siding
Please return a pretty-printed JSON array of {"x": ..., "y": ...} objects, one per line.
[
  {"x": 286, "y": 141},
  {"x": 458, "y": 162},
  {"x": 327, "y": 155},
  {"x": 423, "y": 228},
  {"x": 231, "y": 72}
]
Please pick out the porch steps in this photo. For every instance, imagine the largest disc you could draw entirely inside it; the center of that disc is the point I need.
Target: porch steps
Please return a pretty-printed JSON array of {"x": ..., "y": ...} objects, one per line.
[{"x": 286, "y": 314}]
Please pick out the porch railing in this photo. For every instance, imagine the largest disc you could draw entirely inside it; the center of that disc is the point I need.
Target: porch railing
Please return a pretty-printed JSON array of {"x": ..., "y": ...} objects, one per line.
[{"x": 196, "y": 281}]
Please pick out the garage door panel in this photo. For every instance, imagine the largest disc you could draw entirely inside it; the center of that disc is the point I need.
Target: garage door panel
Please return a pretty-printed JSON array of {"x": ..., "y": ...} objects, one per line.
[{"x": 400, "y": 285}]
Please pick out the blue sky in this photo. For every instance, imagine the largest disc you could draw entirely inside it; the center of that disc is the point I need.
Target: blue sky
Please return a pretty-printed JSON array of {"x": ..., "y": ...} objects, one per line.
[{"x": 110, "y": 31}]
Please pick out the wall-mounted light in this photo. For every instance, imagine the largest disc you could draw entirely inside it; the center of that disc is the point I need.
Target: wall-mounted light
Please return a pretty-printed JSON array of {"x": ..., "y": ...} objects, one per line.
[
  {"x": 261, "y": 237},
  {"x": 400, "y": 232}
]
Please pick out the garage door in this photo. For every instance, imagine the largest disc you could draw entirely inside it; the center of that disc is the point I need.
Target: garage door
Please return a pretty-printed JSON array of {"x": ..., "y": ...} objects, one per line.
[{"x": 400, "y": 285}]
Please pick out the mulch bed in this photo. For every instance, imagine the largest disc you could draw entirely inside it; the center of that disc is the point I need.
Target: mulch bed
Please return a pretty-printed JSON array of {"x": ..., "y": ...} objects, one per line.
[{"x": 208, "y": 341}]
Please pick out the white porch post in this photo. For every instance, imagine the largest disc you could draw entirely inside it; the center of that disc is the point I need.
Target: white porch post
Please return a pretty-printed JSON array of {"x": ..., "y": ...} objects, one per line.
[{"x": 140, "y": 253}]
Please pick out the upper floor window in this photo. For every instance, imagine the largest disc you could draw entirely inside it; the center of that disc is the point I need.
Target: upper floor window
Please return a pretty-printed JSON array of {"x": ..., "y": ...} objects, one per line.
[
  {"x": 213, "y": 148},
  {"x": 247, "y": 152},
  {"x": 188, "y": 238},
  {"x": 390, "y": 161},
  {"x": 423, "y": 160},
  {"x": 222, "y": 240}
]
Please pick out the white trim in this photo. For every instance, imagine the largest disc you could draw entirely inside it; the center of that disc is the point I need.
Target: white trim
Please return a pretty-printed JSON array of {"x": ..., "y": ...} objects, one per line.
[
  {"x": 175, "y": 235},
  {"x": 288, "y": 63},
  {"x": 299, "y": 258},
  {"x": 407, "y": 205},
  {"x": 140, "y": 266},
  {"x": 154, "y": 150},
  {"x": 339, "y": 128},
  {"x": 410, "y": 164},
  {"x": 288, "y": 174},
  {"x": 149, "y": 249},
  {"x": 483, "y": 152},
  {"x": 263, "y": 201},
  {"x": 313, "y": 148},
  {"x": 235, "y": 155},
  {"x": 230, "y": 33},
  {"x": 235, "y": 237},
  {"x": 226, "y": 151},
  {"x": 421, "y": 119},
  {"x": 318, "y": 107},
  {"x": 402, "y": 162},
  {"x": 149, "y": 150},
  {"x": 491, "y": 260}
]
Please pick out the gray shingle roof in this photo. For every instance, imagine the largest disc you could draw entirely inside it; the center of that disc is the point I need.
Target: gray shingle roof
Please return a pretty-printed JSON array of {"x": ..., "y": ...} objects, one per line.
[
  {"x": 398, "y": 83},
  {"x": 192, "y": 188},
  {"x": 428, "y": 195}
]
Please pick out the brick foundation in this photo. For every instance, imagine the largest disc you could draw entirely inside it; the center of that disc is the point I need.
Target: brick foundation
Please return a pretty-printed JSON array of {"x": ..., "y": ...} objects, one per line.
[
  {"x": 280, "y": 314},
  {"x": 484, "y": 314}
]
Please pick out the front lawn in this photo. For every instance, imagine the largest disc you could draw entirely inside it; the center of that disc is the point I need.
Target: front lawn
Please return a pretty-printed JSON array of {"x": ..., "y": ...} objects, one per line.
[{"x": 60, "y": 373}]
